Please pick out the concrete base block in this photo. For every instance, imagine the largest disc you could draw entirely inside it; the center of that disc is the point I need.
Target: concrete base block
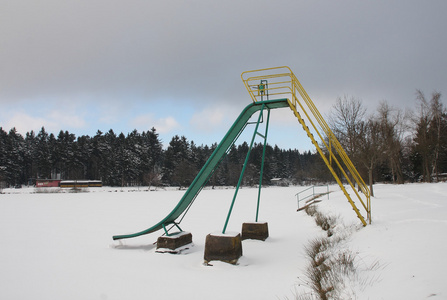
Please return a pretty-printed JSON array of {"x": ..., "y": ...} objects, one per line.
[
  {"x": 173, "y": 242},
  {"x": 224, "y": 247},
  {"x": 255, "y": 231}
]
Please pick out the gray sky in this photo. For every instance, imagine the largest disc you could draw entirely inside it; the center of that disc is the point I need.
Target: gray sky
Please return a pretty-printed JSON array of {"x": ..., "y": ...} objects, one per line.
[{"x": 84, "y": 66}]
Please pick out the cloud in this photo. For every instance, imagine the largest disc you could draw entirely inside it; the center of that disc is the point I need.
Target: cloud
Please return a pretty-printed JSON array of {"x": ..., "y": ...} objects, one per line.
[
  {"x": 208, "y": 119},
  {"x": 64, "y": 119},
  {"x": 109, "y": 114},
  {"x": 112, "y": 56},
  {"x": 162, "y": 125},
  {"x": 53, "y": 121},
  {"x": 25, "y": 123}
]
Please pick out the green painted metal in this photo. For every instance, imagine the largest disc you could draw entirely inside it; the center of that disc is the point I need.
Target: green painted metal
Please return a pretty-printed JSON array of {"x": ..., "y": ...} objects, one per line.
[
  {"x": 262, "y": 163},
  {"x": 209, "y": 167},
  {"x": 243, "y": 169}
]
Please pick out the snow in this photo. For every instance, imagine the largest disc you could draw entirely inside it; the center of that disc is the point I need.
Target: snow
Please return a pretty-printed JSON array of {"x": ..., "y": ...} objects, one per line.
[{"x": 59, "y": 245}]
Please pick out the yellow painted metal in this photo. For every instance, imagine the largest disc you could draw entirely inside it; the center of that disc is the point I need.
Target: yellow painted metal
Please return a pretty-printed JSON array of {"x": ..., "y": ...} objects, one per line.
[{"x": 282, "y": 83}]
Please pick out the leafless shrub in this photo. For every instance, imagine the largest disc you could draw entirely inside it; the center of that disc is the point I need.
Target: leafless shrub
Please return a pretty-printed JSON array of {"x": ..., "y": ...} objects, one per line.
[
  {"x": 333, "y": 271},
  {"x": 310, "y": 210},
  {"x": 327, "y": 223},
  {"x": 315, "y": 250},
  {"x": 326, "y": 274}
]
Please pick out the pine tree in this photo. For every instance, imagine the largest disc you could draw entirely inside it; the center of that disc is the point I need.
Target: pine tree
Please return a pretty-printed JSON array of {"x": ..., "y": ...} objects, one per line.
[
  {"x": 29, "y": 165},
  {"x": 42, "y": 155},
  {"x": 110, "y": 167},
  {"x": 153, "y": 153},
  {"x": 178, "y": 168},
  {"x": 14, "y": 149},
  {"x": 3, "y": 153}
]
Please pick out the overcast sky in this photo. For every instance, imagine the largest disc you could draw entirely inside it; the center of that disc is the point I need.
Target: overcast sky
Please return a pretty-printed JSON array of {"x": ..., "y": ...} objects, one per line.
[{"x": 91, "y": 65}]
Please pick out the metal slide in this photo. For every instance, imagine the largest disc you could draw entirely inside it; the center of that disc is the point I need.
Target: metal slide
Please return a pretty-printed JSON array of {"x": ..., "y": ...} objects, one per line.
[{"x": 209, "y": 167}]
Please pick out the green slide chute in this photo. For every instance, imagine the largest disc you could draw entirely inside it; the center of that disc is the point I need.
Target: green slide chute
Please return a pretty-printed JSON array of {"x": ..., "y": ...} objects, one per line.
[{"x": 209, "y": 167}]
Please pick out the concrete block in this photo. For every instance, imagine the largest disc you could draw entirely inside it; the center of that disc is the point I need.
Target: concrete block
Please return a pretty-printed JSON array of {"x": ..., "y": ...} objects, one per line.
[
  {"x": 223, "y": 247},
  {"x": 255, "y": 231},
  {"x": 173, "y": 242}
]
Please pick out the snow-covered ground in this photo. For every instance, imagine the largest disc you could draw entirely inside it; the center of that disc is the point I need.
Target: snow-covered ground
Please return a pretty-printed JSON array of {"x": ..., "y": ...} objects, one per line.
[{"x": 59, "y": 245}]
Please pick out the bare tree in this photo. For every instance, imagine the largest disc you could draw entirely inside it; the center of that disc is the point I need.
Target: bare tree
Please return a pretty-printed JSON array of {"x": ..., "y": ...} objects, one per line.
[
  {"x": 392, "y": 124},
  {"x": 370, "y": 148},
  {"x": 152, "y": 178},
  {"x": 370, "y": 141},
  {"x": 428, "y": 132},
  {"x": 346, "y": 121},
  {"x": 437, "y": 112}
]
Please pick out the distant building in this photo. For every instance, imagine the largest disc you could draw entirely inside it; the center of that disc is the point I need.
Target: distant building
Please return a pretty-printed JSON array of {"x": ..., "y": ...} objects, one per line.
[
  {"x": 42, "y": 183},
  {"x": 279, "y": 181},
  {"x": 80, "y": 183}
]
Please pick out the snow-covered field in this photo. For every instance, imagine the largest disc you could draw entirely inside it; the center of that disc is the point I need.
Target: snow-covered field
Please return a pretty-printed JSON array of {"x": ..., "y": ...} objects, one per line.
[{"x": 59, "y": 245}]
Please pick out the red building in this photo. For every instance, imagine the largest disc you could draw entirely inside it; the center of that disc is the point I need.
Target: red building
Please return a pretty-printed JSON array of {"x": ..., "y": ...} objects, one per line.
[{"x": 47, "y": 183}]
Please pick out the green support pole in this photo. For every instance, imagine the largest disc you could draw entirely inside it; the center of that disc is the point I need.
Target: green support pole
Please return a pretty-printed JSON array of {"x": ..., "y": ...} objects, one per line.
[
  {"x": 262, "y": 163},
  {"x": 243, "y": 169}
]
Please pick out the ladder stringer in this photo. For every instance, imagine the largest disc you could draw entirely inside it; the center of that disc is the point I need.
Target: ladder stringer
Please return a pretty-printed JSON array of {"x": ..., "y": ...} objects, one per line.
[
  {"x": 347, "y": 162},
  {"x": 320, "y": 151},
  {"x": 332, "y": 142}
]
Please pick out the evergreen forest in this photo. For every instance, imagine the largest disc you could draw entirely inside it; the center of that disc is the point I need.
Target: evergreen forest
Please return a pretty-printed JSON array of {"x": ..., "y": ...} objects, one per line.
[{"x": 138, "y": 159}]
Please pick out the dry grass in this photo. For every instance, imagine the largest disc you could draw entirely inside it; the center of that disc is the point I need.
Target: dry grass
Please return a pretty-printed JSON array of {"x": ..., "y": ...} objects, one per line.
[
  {"x": 310, "y": 210},
  {"x": 327, "y": 270},
  {"x": 327, "y": 223},
  {"x": 332, "y": 271}
]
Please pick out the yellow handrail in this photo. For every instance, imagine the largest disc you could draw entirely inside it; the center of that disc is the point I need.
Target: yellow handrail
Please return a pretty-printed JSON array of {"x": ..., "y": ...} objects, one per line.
[{"x": 283, "y": 83}]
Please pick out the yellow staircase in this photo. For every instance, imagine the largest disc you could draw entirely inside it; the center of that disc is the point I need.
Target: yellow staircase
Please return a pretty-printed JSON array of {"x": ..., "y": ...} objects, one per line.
[{"x": 280, "y": 82}]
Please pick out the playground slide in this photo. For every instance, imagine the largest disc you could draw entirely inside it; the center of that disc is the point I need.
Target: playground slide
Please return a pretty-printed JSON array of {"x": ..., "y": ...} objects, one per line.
[{"x": 209, "y": 167}]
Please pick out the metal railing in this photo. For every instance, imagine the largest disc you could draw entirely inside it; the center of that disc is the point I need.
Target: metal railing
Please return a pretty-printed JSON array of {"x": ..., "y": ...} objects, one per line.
[
  {"x": 282, "y": 83},
  {"x": 311, "y": 193}
]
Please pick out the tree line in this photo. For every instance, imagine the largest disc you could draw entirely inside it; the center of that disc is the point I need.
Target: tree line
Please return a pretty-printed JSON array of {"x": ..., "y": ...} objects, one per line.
[
  {"x": 388, "y": 145},
  {"x": 140, "y": 159},
  {"x": 393, "y": 145}
]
